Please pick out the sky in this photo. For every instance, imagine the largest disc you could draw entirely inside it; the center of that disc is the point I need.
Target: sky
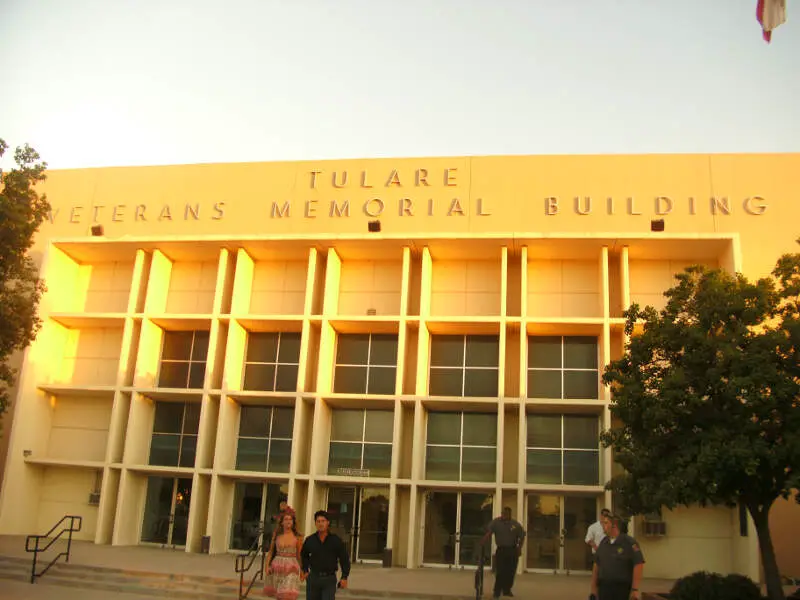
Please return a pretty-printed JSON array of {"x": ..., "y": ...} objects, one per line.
[{"x": 93, "y": 83}]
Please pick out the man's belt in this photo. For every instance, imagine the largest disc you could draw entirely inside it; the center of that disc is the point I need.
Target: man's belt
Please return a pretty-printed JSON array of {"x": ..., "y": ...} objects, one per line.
[{"x": 323, "y": 573}]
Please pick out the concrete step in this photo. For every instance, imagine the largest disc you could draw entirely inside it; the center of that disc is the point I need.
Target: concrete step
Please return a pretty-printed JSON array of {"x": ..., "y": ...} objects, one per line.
[{"x": 176, "y": 585}]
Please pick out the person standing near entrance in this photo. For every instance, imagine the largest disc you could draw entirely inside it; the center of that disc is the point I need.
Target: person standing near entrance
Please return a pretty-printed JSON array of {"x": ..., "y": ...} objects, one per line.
[
  {"x": 618, "y": 564},
  {"x": 509, "y": 535},
  {"x": 282, "y": 579},
  {"x": 322, "y": 555},
  {"x": 596, "y": 533}
]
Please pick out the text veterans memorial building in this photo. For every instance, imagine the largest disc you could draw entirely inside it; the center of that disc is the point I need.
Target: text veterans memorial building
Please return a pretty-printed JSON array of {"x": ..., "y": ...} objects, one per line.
[{"x": 412, "y": 344}]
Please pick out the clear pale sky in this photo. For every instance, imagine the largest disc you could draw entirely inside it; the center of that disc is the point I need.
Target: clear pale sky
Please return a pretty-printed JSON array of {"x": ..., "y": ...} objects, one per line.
[{"x": 135, "y": 82}]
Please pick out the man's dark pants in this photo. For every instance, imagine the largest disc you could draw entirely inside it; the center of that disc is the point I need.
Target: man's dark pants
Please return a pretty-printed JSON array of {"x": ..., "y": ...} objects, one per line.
[
  {"x": 321, "y": 587},
  {"x": 506, "y": 561},
  {"x": 613, "y": 590}
]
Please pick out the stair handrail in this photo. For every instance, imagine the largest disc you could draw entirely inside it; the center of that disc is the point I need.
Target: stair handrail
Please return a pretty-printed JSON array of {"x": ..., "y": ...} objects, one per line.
[
  {"x": 36, "y": 550},
  {"x": 249, "y": 558}
]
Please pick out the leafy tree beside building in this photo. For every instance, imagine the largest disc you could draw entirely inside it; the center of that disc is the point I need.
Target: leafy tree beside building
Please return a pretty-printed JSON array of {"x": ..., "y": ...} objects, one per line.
[
  {"x": 706, "y": 398},
  {"x": 22, "y": 211}
]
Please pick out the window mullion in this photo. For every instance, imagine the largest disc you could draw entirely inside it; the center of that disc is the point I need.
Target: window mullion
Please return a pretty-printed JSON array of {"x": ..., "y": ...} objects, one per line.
[{"x": 464, "y": 371}]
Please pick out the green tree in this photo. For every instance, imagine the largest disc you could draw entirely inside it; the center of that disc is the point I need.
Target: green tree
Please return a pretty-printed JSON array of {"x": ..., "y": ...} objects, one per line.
[
  {"x": 22, "y": 211},
  {"x": 705, "y": 399}
]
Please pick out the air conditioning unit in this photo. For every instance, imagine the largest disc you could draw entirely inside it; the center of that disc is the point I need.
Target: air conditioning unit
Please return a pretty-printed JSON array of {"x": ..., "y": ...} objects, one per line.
[
  {"x": 654, "y": 526},
  {"x": 371, "y": 312},
  {"x": 94, "y": 499}
]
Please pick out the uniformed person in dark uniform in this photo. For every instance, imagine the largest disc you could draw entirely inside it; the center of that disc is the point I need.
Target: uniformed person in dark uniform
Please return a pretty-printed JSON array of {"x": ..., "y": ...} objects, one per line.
[
  {"x": 618, "y": 564},
  {"x": 509, "y": 535}
]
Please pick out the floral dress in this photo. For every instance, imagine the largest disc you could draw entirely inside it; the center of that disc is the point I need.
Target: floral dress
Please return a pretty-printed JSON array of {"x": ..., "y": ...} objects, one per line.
[{"x": 283, "y": 581}]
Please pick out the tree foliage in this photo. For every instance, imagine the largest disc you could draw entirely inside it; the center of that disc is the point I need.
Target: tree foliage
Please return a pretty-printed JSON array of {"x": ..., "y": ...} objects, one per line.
[
  {"x": 22, "y": 211},
  {"x": 705, "y": 400}
]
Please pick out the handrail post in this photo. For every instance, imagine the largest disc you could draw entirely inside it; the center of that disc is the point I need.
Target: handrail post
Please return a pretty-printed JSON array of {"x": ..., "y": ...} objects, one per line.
[
  {"x": 69, "y": 537},
  {"x": 35, "y": 555}
]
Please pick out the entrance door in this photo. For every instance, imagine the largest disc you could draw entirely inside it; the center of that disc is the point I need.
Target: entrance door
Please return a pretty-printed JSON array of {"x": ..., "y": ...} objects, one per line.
[
  {"x": 166, "y": 511},
  {"x": 360, "y": 516},
  {"x": 455, "y": 522},
  {"x": 255, "y": 506},
  {"x": 556, "y": 531}
]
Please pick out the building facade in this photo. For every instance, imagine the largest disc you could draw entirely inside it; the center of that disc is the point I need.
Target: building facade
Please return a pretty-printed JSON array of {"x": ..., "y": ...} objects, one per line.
[{"x": 412, "y": 344}]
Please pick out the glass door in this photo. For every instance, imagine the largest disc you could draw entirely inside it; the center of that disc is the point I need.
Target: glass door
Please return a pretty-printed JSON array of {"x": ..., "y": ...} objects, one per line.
[
  {"x": 255, "y": 510},
  {"x": 373, "y": 520},
  {"x": 342, "y": 511},
  {"x": 166, "y": 511},
  {"x": 556, "y": 531},
  {"x": 455, "y": 522}
]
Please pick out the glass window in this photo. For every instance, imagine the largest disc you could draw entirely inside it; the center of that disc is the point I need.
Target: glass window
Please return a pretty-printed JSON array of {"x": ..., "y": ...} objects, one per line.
[
  {"x": 174, "y": 439},
  {"x": 183, "y": 359},
  {"x": 271, "y": 361},
  {"x": 563, "y": 449},
  {"x": 563, "y": 368},
  {"x": 265, "y": 438},
  {"x": 361, "y": 439},
  {"x": 461, "y": 447},
  {"x": 464, "y": 365},
  {"x": 365, "y": 364}
]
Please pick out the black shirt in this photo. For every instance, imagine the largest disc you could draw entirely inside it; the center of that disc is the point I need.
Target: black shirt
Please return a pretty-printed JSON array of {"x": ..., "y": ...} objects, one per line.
[
  {"x": 615, "y": 561},
  {"x": 322, "y": 557}
]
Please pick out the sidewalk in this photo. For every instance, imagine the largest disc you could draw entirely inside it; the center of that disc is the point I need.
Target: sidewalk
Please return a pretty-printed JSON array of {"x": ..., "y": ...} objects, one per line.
[{"x": 364, "y": 578}]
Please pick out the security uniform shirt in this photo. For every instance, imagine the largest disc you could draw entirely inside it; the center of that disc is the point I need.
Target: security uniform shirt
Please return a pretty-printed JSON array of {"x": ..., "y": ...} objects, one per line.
[
  {"x": 616, "y": 560},
  {"x": 321, "y": 558},
  {"x": 508, "y": 533}
]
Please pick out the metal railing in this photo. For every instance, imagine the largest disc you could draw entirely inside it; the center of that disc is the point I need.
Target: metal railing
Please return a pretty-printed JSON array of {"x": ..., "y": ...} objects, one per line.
[
  {"x": 36, "y": 549},
  {"x": 479, "y": 574},
  {"x": 244, "y": 562}
]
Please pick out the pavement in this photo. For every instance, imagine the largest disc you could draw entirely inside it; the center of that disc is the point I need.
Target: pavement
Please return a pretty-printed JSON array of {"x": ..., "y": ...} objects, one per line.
[{"x": 430, "y": 583}]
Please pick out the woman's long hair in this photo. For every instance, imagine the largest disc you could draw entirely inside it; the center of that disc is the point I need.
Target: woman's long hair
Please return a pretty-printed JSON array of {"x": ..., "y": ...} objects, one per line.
[{"x": 280, "y": 530}]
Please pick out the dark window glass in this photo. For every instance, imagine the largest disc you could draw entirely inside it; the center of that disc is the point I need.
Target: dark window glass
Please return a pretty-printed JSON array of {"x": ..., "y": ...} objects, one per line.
[
  {"x": 544, "y": 384},
  {"x": 280, "y": 451},
  {"x": 168, "y": 417},
  {"x": 383, "y": 350},
  {"x": 378, "y": 459},
  {"x": 483, "y": 351},
  {"x": 444, "y": 428},
  {"x": 442, "y": 463},
  {"x": 382, "y": 380},
  {"x": 344, "y": 456},
  {"x": 544, "y": 466},
  {"x": 478, "y": 464},
  {"x": 200, "y": 346},
  {"x": 544, "y": 431},
  {"x": 379, "y": 426},
  {"x": 480, "y": 429},
  {"x": 164, "y": 449},
  {"x": 251, "y": 454},
  {"x": 480, "y": 383},
  {"x": 347, "y": 425},
  {"x": 254, "y": 421},
  {"x": 282, "y": 422},
  {"x": 447, "y": 351},
  {"x": 286, "y": 379},
  {"x": 544, "y": 352},
  {"x": 446, "y": 382},
  {"x": 580, "y": 352},
  {"x": 188, "y": 451},
  {"x": 197, "y": 373},
  {"x": 289, "y": 348},
  {"x": 580, "y": 385},
  {"x": 581, "y": 468},
  {"x": 259, "y": 377},
  {"x": 350, "y": 380},
  {"x": 262, "y": 347},
  {"x": 191, "y": 420},
  {"x": 177, "y": 345},
  {"x": 174, "y": 375},
  {"x": 581, "y": 432},
  {"x": 352, "y": 349}
]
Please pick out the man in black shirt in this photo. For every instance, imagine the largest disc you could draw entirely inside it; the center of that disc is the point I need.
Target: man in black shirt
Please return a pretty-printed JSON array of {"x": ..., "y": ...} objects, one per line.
[
  {"x": 322, "y": 555},
  {"x": 618, "y": 564}
]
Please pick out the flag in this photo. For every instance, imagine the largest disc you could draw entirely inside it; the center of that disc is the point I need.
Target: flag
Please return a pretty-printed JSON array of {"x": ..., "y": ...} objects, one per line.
[{"x": 770, "y": 13}]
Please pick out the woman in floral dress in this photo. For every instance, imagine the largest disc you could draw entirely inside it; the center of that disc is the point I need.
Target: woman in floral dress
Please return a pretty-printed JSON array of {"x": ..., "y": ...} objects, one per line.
[{"x": 282, "y": 573}]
